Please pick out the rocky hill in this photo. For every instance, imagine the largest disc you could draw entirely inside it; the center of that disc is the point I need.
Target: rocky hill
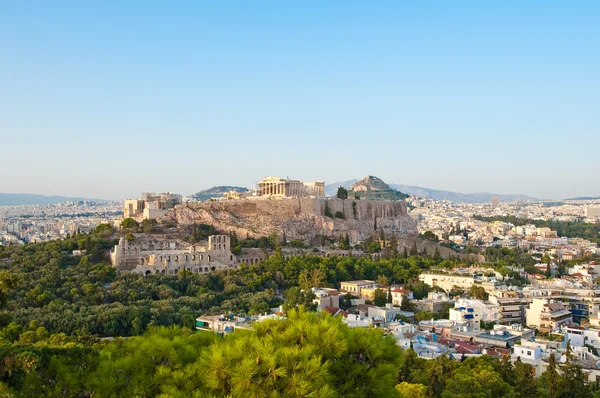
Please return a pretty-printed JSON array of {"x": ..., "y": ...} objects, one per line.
[
  {"x": 306, "y": 219},
  {"x": 374, "y": 188},
  {"x": 436, "y": 194},
  {"x": 217, "y": 192}
]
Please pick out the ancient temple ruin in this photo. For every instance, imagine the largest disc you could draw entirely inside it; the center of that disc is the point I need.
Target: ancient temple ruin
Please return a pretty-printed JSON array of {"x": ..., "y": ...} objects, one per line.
[
  {"x": 151, "y": 256},
  {"x": 285, "y": 187}
]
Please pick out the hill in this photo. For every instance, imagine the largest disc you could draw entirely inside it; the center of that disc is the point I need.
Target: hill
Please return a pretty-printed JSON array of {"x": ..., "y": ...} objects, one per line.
[
  {"x": 215, "y": 192},
  {"x": 436, "y": 194},
  {"x": 16, "y": 199},
  {"x": 372, "y": 187},
  {"x": 585, "y": 198},
  {"x": 299, "y": 218}
]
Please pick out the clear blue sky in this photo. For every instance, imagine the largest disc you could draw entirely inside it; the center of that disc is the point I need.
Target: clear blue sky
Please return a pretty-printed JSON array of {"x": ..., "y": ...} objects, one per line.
[{"x": 114, "y": 98}]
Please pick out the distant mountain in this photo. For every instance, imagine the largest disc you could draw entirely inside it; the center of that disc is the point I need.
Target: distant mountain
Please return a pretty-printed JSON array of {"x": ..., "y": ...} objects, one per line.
[
  {"x": 436, "y": 194},
  {"x": 331, "y": 189},
  {"x": 216, "y": 192},
  {"x": 372, "y": 187},
  {"x": 585, "y": 198},
  {"x": 15, "y": 199},
  {"x": 476, "y": 197}
]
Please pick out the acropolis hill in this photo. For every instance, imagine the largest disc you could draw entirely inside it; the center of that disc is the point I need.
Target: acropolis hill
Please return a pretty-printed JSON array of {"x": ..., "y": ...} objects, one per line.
[{"x": 303, "y": 218}]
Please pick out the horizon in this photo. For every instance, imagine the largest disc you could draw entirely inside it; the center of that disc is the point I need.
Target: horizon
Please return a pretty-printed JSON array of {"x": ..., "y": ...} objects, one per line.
[
  {"x": 461, "y": 98},
  {"x": 250, "y": 187}
]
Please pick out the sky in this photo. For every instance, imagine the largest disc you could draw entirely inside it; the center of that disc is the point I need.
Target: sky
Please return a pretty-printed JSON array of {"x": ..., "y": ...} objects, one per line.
[{"x": 106, "y": 99}]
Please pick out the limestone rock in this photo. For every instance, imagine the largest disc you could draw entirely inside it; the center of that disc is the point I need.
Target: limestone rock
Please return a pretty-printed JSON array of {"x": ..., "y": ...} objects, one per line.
[{"x": 299, "y": 218}]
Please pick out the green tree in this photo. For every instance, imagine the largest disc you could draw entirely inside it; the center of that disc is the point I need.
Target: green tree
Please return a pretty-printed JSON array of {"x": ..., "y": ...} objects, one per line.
[
  {"x": 478, "y": 292},
  {"x": 380, "y": 297},
  {"x": 373, "y": 247},
  {"x": 550, "y": 379},
  {"x": 525, "y": 384},
  {"x": 383, "y": 280},
  {"x": 295, "y": 297},
  {"x": 129, "y": 224},
  {"x": 306, "y": 355},
  {"x": 406, "y": 304},
  {"x": 430, "y": 236},
  {"x": 573, "y": 381},
  {"x": 409, "y": 390},
  {"x": 414, "y": 251},
  {"x": 8, "y": 282},
  {"x": 342, "y": 193},
  {"x": 393, "y": 245}
]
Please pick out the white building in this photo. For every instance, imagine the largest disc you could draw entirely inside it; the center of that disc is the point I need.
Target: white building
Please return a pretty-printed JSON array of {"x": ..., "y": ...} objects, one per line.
[
  {"x": 326, "y": 298},
  {"x": 530, "y": 353},
  {"x": 546, "y": 313},
  {"x": 472, "y": 311}
]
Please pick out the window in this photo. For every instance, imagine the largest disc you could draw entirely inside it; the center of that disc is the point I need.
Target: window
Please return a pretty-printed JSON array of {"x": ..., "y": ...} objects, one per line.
[{"x": 529, "y": 353}]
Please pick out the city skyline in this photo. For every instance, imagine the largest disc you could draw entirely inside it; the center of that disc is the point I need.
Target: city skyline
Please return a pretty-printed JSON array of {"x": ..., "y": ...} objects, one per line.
[{"x": 477, "y": 98}]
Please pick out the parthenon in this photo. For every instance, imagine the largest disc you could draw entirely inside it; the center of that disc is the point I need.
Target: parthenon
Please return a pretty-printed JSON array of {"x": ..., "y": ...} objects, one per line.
[{"x": 276, "y": 186}]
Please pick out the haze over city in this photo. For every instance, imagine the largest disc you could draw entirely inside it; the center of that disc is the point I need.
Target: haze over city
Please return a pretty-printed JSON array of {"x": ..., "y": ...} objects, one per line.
[{"x": 462, "y": 97}]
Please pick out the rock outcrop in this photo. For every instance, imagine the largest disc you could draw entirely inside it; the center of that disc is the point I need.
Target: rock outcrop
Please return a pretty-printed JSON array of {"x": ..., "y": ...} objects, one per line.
[
  {"x": 372, "y": 187},
  {"x": 299, "y": 218}
]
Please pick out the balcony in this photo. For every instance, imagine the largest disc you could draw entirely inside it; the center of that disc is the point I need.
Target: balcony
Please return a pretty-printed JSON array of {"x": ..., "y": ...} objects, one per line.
[{"x": 510, "y": 314}]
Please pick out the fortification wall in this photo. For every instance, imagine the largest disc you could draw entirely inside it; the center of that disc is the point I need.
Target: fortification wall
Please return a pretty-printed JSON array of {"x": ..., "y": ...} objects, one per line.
[{"x": 360, "y": 210}]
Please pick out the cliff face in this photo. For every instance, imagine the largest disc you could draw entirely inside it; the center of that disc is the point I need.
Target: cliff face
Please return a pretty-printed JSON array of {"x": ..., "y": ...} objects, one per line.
[{"x": 299, "y": 218}]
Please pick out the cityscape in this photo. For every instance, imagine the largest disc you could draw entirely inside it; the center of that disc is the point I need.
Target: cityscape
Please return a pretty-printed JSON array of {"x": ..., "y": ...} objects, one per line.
[{"x": 285, "y": 199}]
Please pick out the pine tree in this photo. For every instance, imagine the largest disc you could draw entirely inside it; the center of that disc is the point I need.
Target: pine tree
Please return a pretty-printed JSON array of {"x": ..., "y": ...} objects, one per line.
[
  {"x": 410, "y": 359},
  {"x": 393, "y": 246},
  {"x": 436, "y": 254},
  {"x": 572, "y": 378},
  {"x": 414, "y": 251},
  {"x": 506, "y": 369},
  {"x": 375, "y": 224},
  {"x": 552, "y": 376},
  {"x": 525, "y": 384}
]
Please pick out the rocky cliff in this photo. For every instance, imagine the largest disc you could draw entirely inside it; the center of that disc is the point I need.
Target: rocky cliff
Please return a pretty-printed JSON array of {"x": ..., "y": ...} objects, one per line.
[{"x": 299, "y": 218}]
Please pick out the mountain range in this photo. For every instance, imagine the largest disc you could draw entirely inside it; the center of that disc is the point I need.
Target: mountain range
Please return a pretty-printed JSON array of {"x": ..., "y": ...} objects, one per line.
[
  {"x": 436, "y": 194},
  {"x": 216, "y": 192},
  {"x": 15, "y": 199}
]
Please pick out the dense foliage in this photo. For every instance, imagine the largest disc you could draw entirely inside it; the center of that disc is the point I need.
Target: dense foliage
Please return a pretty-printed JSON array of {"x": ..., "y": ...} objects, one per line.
[
  {"x": 308, "y": 354},
  {"x": 55, "y": 304},
  {"x": 84, "y": 295},
  {"x": 569, "y": 229}
]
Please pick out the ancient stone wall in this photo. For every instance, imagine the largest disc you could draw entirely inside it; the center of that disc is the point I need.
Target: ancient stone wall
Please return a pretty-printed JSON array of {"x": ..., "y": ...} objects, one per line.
[{"x": 360, "y": 210}]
